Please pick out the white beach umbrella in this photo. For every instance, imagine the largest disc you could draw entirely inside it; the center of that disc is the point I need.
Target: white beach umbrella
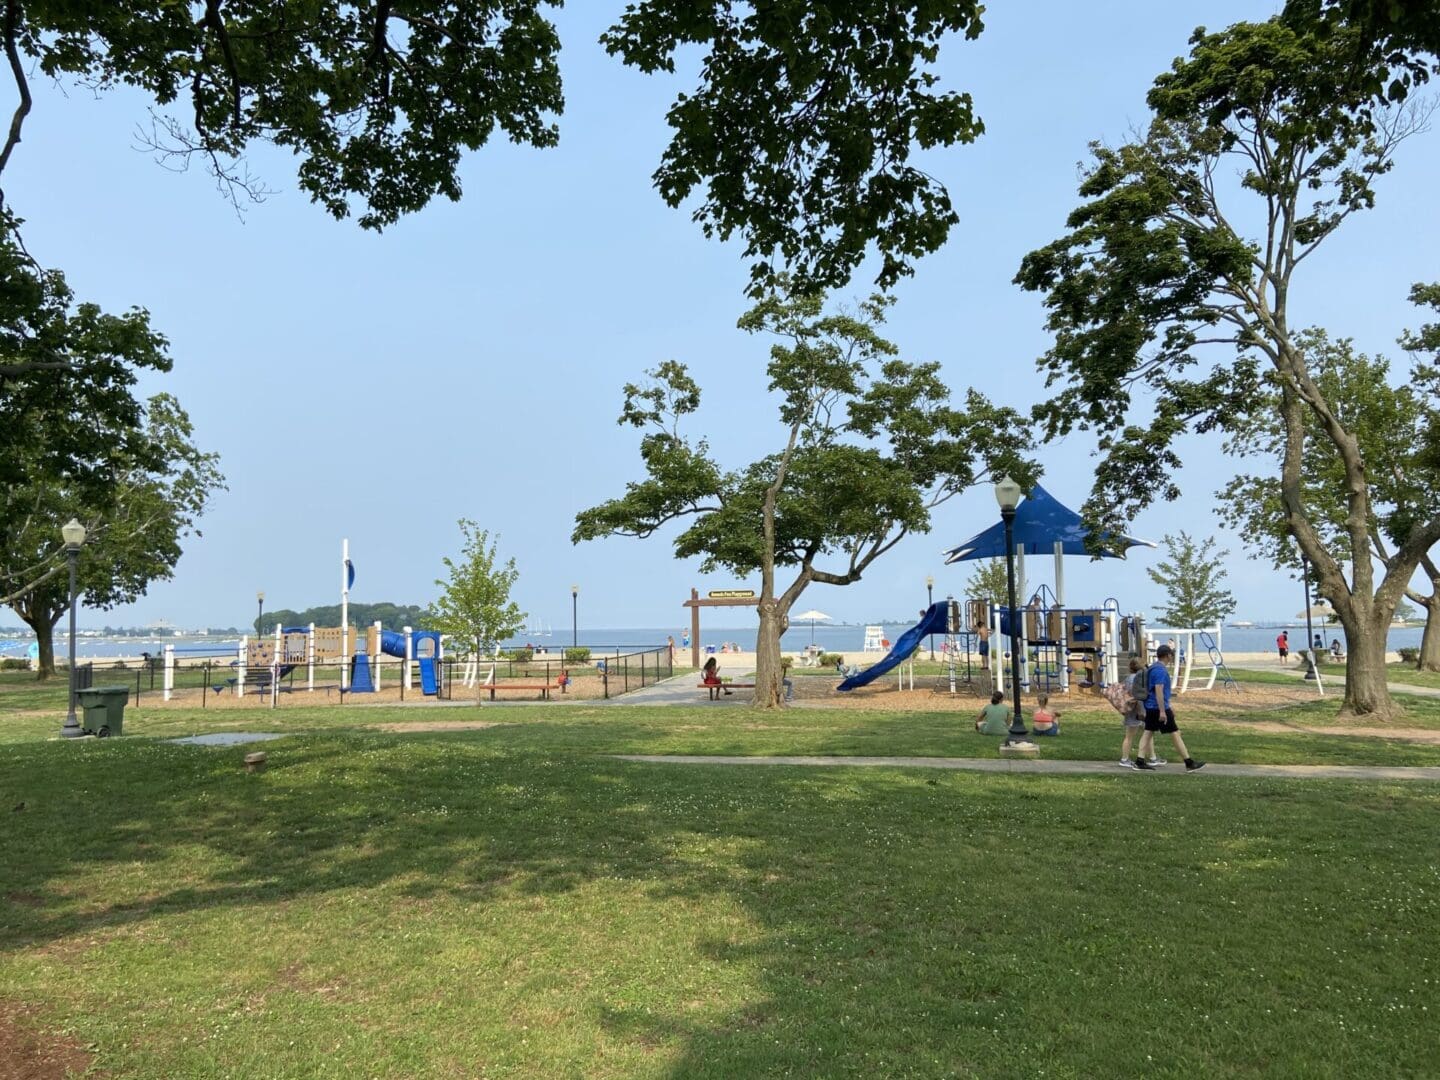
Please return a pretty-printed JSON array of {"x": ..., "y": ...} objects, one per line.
[{"x": 814, "y": 617}]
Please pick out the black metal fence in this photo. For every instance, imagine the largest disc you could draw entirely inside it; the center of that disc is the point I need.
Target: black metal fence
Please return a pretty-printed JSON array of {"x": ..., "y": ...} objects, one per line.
[{"x": 620, "y": 671}]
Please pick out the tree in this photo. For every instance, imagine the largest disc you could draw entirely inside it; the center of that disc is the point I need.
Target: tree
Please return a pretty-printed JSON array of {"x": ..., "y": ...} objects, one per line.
[
  {"x": 989, "y": 581},
  {"x": 868, "y": 445},
  {"x": 475, "y": 607},
  {"x": 133, "y": 540},
  {"x": 797, "y": 137},
  {"x": 1395, "y": 427},
  {"x": 1192, "y": 580},
  {"x": 1154, "y": 271},
  {"x": 67, "y": 409},
  {"x": 392, "y": 615}
]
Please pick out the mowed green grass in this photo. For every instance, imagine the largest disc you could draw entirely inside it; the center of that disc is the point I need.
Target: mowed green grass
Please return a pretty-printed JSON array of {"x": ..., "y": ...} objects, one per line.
[{"x": 514, "y": 902}]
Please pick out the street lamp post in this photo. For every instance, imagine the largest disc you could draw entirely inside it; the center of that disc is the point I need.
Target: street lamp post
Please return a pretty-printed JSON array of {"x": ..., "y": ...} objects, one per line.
[
  {"x": 929, "y": 603},
  {"x": 73, "y": 533},
  {"x": 260, "y": 613},
  {"x": 574, "y": 616},
  {"x": 1007, "y": 494}
]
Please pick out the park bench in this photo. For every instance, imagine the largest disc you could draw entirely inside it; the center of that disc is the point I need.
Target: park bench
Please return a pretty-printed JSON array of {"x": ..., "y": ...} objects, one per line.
[
  {"x": 717, "y": 688},
  {"x": 544, "y": 688},
  {"x": 255, "y": 678}
]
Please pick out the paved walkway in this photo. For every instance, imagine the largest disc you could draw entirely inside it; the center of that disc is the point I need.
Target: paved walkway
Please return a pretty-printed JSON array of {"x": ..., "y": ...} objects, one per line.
[
  {"x": 1330, "y": 682},
  {"x": 682, "y": 690},
  {"x": 1090, "y": 768}
]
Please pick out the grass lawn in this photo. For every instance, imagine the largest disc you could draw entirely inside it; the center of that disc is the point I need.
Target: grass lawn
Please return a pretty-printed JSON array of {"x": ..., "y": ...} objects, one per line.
[
  {"x": 511, "y": 902},
  {"x": 1406, "y": 673}
]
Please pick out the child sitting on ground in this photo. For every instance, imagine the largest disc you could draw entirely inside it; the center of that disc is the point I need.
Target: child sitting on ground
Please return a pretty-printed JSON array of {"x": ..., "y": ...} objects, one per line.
[{"x": 1045, "y": 721}]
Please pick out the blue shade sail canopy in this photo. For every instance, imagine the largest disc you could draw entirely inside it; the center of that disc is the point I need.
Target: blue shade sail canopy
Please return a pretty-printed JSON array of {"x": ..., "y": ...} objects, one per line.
[{"x": 1041, "y": 522}]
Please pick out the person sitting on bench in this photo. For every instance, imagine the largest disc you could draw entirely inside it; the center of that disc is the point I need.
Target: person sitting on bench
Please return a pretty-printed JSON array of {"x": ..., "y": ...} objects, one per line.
[{"x": 710, "y": 675}]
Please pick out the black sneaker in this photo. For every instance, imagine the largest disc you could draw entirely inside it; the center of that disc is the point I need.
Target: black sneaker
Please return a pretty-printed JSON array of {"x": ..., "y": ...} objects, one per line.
[
  {"x": 1194, "y": 766},
  {"x": 1143, "y": 765}
]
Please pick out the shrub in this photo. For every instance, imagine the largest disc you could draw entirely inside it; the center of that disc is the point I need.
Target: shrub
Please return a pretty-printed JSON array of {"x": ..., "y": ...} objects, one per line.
[
  {"x": 785, "y": 662},
  {"x": 580, "y": 655},
  {"x": 522, "y": 655},
  {"x": 1409, "y": 656},
  {"x": 829, "y": 659},
  {"x": 12, "y": 663}
]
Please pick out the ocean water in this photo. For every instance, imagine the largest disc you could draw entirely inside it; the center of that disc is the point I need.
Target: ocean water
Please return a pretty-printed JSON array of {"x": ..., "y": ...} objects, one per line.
[{"x": 832, "y": 638}]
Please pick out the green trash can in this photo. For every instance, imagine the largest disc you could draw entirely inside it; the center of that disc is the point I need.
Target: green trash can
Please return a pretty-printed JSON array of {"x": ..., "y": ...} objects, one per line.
[{"x": 104, "y": 709}]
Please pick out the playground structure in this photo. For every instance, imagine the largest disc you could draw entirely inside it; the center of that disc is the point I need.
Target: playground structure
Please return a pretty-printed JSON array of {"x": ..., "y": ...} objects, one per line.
[
  {"x": 1055, "y": 645},
  {"x": 259, "y": 663}
]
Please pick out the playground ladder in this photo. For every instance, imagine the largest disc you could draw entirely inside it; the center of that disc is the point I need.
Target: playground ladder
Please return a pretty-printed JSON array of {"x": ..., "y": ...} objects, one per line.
[{"x": 1217, "y": 658}]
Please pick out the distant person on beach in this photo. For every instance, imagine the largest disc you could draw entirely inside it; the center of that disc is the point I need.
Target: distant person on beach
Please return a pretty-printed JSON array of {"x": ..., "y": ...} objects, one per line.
[
  {"x": 1282, "y": 646},
  {"x": 994, "y": 719},
  {"x": 1318, "y": 644},
  {"x": 1159, "y": 716},
  {"x": 685, "y": 639},
  {"x": 710, "y": 675},
  {"x": 670, "y": 644}
]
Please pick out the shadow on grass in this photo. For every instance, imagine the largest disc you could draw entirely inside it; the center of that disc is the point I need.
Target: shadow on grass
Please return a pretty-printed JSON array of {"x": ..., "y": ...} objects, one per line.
[{"x": 894, "y": 922}]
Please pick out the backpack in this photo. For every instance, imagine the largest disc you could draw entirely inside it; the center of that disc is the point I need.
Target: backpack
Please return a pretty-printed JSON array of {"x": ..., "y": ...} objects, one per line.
[{"x": 1138, "y": 688}]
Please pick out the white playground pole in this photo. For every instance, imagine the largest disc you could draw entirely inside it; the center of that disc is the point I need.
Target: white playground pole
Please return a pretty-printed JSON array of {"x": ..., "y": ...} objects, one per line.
[
  {"x": 379, "y": 652},
  {"x": 168, "y": 685},
  {"x": 244, "y": 659},
  {"x": 310, "y": 659},
  {"x": 409, "y": 655},
  {"x": 344, "y": 615}
]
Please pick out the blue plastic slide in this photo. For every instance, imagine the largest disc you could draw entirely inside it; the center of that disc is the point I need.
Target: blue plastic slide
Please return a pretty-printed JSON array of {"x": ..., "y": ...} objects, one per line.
[{"x": 932, "y": 623}]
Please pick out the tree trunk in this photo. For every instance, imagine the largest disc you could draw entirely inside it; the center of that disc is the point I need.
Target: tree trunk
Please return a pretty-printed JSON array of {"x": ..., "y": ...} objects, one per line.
[
  {"x": 1429, "y": 659},
  {"x": 1366, "y": 692},
  {"x": 769, "y": 687},
  {"x": 45, "y": 636}
]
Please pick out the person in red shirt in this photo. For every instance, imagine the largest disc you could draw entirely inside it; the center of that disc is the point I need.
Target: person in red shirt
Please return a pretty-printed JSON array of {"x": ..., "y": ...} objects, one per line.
[{"x": 1282, "y": 644}]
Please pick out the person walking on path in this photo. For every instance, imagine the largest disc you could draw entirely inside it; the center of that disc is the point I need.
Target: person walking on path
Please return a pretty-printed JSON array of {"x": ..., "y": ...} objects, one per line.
[
  {"x": 1128, "y": 697},
  {"x": 1159, "y": 716},
  {"x": 1282, "y": 646}
]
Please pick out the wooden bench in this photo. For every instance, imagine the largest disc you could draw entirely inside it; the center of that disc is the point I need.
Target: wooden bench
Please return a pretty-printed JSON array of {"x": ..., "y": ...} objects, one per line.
[
  {"x": 717, "y": 688},
  {"x": 544, "y": 688}
]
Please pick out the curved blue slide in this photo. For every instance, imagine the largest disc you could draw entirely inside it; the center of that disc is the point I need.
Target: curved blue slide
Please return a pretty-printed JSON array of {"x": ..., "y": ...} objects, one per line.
[{"x": 909, "y": 641}]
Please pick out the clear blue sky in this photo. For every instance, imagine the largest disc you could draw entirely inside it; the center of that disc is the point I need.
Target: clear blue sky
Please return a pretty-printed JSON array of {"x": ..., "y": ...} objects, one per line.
[{"x": 468, "y": 362}]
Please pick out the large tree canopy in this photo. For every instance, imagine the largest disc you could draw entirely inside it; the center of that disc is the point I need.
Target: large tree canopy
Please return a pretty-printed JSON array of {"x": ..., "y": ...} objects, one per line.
[
  {"x": 868, "y": 446},
  {"x": 134, "y": 536},
  {"x": 797, "y": 138},
  {"x": 1158, "y": 268}
]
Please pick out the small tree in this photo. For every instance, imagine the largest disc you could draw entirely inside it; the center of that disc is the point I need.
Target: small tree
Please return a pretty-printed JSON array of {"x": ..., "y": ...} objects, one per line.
[
  {"x": 867, "y": 446},
  {"x": 989, "y": 581},
  {"x": 475, "y": 607},
  {"x": 1192, "y": 582}
]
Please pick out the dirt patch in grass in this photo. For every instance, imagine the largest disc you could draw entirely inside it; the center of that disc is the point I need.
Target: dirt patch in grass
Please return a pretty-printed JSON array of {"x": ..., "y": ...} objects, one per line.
[
  {"x": 435, "y": 725},
  {"x": 1418, "y": 735},
  {"x": 29, "y": 1054}
]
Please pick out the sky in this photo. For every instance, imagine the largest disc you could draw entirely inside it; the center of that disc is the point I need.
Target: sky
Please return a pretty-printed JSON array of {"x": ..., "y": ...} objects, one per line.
[{"x": 468, "y": 361}]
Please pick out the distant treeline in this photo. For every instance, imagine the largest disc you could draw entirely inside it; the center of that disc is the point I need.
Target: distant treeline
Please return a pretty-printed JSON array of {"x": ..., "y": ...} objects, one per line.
[{"x": 392, "y": 616}]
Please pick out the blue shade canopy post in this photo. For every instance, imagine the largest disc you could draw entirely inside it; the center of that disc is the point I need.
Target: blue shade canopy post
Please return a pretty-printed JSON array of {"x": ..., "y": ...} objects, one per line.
[{"x": 1043, "y": 526}]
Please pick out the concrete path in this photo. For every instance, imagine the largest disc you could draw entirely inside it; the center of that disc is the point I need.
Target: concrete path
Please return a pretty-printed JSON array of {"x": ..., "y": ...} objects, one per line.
[
  {"x": 1330, "y": 682},
  {"x": 683, "y": 690},
  {"x": 1087, "y": 768}
]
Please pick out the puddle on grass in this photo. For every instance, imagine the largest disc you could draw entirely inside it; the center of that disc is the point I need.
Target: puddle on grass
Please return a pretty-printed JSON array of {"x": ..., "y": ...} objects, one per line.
[{"x": 226, "y": 738}]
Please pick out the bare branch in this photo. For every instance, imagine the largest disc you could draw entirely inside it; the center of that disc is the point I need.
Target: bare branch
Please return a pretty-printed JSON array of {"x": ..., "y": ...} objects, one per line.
[{"x": 17, "y": 71}]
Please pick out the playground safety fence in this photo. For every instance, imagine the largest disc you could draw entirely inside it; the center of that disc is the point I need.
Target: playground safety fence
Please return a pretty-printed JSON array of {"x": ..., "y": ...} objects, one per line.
[{"x": 618, "y": 671}]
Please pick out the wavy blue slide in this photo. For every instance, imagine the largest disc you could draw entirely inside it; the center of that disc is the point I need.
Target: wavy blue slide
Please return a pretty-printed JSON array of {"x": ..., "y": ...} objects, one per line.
[{"x": 932, "y": 623}]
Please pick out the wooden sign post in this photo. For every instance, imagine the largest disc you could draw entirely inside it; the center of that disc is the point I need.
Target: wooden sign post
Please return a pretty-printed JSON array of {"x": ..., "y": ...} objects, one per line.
[{"x": 715, "y": 598}]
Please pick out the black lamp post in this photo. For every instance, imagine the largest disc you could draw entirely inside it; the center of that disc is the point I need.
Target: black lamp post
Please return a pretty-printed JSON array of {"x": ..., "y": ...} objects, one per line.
[
  {"x": 73, "y": 533},
  {"x": 929, "y": 603},
  {"x": 574, "y": 616},
  {"x": 260, "y": 613},
  {"x": 1007, "y": 494}
]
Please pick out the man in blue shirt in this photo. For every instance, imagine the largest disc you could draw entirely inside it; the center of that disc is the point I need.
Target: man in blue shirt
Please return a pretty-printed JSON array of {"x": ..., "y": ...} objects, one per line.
[{"x": 1158, "y": 714}]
